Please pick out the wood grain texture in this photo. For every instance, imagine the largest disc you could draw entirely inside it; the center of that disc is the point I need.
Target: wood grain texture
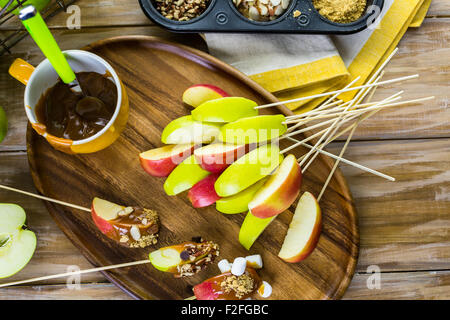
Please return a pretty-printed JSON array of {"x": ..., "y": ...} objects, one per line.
[{"x": 155, "y": 74}]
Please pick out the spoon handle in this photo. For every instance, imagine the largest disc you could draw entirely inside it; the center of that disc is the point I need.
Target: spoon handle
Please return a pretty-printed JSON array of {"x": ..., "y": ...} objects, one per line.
[{"x": 40, "y": 33}]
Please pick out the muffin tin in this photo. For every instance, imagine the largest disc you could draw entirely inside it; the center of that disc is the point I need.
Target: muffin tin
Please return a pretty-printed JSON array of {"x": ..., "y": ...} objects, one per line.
[{"x": 222, "y": 16}]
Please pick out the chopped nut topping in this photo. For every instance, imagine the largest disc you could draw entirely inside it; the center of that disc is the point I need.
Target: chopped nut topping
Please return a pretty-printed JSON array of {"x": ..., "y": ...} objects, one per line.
[
  {"x": 241, "y": 285},
  {"x": 181, "y": 10},
  {"x": 197, "y": 257},
  {"x": 145, "y": 241}
]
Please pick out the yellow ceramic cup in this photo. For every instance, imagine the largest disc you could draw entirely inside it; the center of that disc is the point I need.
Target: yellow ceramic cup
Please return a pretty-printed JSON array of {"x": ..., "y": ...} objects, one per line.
[{"x": 43, "y": 77}]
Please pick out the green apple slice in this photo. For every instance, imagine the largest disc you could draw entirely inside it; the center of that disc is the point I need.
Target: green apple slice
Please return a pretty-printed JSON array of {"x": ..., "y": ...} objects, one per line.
[
  {"x": 185, "y": 130},
  {"x": 252, "y": 228},
  {"x": 239, "y": 202},
  {"x": 253, "y": 129},
  {"x": 184, "y": 176},
  {"x": 248, "y": 170},
  {"x": 3, "y": 124},
  {"x": 165, "y": 259},
  {"x": 17, "y": 246},
  {"x": 225, "y": 110}
]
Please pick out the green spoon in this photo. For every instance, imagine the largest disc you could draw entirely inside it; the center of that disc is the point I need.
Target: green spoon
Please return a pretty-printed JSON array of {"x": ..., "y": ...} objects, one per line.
[{"x": 40, "y": 33}]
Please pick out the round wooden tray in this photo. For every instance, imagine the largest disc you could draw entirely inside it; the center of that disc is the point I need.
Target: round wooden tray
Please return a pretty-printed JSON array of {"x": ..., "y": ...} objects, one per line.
[{"x": 156, "y": 73}]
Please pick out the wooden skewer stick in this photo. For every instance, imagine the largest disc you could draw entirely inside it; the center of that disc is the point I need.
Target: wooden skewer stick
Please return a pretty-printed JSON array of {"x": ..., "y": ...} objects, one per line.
[
  {"x": 378, "y": 108},
  {"x": 326, "y": 105},
  {"x": 344, "y": 148},
  {"x": 336, "y": 163},
  {"x": 415, "y": 76},
  {"x": 67, "y": 274},
  {"x": 351, "y": 163},
  {"x": 45, "y": 198},
  {"x": 336, "y": 125},
  {"x": 191, "y": 298},
  {"x": 358, "y": 109},
  {"x": 375, "y": 111},
  {"x": 379, "y": 71}
]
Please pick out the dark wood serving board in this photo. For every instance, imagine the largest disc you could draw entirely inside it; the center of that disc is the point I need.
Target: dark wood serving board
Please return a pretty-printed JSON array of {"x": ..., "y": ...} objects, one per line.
[{"x": 155, "y": 74}]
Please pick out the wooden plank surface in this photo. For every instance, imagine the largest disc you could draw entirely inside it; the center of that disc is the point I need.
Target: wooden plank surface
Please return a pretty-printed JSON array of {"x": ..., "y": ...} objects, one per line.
[{"x": 404, "y": 225}]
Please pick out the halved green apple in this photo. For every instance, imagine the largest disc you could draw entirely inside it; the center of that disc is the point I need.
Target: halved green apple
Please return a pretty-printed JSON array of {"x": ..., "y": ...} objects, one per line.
[
  {"x": 251, "y": 229},
  {"x": 224, "y": 110},
  {"x": 253, "y": 129},
  {"x": 239, "y": 202},
  {"x": 17, "y": 245},
  {"x": 186, "y": 130},
  {"x": 248, "y": 170},
  {"x": 184, "y": 176}
]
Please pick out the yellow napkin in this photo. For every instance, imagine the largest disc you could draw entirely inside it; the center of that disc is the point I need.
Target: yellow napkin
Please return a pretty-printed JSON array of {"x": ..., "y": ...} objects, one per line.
[
  {"x": 289, "y": 66},
  {"x": 365, "y": 51},
  {"x": 421, "y": 14}
]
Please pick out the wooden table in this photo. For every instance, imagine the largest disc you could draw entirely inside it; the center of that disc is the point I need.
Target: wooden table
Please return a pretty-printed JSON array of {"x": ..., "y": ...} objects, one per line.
[{"x": 404, "y": 225}]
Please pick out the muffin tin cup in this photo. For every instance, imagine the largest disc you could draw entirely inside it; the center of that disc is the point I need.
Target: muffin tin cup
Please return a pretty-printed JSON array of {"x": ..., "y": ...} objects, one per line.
[{"x": 222, "y": 16}]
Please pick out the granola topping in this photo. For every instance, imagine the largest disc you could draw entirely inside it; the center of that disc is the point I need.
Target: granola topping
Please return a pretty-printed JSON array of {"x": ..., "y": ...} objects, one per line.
[
  {"x": 241, "y": 285},
  {"x": 197, "y": 257},
  {"x": 181, "y": 10}
]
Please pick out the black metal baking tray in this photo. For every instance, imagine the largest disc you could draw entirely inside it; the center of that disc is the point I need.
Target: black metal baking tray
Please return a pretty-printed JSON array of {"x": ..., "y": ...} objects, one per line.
[{"x": 222, "y": 16}]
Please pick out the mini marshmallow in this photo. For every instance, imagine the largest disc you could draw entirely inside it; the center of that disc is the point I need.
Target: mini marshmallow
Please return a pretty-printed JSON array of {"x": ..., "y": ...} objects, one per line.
[
  {"x": 265, "y": 291},
  {"x": 224, "y": 266},
  {"x": 239, "y": 266},
  {"x": 254, "y": 261}
]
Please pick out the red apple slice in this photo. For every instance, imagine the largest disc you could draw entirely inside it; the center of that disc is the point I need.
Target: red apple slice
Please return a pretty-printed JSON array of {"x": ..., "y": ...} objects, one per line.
[
  {"x": 279, "y": 192},
  {"x": 127, "y": 225},
  {"x": 203, "y": 194},
  {"x": 217, "y": 157},
  {"x": 304, "y": 230},
  {"x": 160, "y": 162},
  {"x": 200, "y": 93}
]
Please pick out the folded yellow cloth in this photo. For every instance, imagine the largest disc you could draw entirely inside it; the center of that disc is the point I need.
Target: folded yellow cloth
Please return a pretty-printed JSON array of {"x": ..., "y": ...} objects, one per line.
[
  {"x": 365, "y": 51},
  {"x": 289, "y": 66},
  {"x": 421, "y": 14}
]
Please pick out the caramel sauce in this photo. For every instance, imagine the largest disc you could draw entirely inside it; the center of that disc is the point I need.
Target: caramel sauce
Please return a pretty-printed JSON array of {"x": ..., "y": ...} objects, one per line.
[
  {"x": 67, "y": 114},
  {"x": 122, "y": 227},
  {"x": 219, "y": 293}
]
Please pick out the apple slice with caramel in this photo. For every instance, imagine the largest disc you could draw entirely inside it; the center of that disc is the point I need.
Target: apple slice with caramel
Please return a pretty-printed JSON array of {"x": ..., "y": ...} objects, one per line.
[
  {"x": 185, "y": 259},
  {"x": 227, "y": 286},
  {"x": 132, "y": 226}
]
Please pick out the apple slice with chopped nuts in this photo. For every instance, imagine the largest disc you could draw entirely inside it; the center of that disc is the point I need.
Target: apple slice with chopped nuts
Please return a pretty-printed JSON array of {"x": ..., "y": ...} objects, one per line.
[{"x": 132, "y": 226}]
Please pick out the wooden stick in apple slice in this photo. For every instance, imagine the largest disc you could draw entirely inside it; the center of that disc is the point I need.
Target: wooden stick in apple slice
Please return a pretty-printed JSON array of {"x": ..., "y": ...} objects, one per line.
[
  {"x": 182, "y": 260},
  {"x": 134, "y": 227}
]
